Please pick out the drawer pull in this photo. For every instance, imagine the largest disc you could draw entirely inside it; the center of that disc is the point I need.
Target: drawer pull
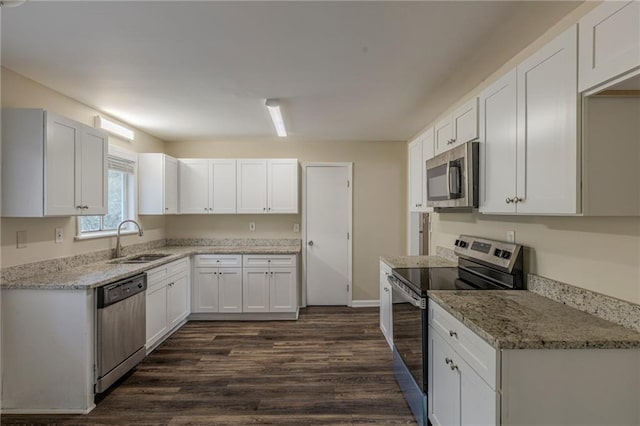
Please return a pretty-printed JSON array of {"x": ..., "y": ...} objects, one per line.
[
  {"x": 453, "y": 334},
  {"x": 454, "y": 367},
  {"x": 448, "y": 361}
]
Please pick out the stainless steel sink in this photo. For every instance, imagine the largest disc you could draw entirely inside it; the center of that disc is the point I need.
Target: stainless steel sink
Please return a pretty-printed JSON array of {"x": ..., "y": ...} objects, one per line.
[{"x": 141, "y": 258}]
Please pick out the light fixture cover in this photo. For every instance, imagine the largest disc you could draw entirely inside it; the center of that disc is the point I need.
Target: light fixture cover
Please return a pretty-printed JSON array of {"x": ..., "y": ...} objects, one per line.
[
  {"x": 11, "y": 3},
  {"x": 273, "y": 106},
  {"x": 114, "y": 128}
]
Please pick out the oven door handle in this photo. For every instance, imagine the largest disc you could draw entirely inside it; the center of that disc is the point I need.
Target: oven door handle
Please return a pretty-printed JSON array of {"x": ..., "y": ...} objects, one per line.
[{"x": 417, "y": 302}]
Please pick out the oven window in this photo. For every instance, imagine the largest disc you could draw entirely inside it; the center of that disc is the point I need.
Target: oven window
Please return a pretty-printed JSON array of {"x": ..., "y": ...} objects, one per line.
[
  {"x": 437, "y": 185},
  {"x": 408, "y": 323}
]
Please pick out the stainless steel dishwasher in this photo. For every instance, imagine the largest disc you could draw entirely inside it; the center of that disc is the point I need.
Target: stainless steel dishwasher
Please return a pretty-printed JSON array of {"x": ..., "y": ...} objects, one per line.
[{"x": 121, "y": 329}]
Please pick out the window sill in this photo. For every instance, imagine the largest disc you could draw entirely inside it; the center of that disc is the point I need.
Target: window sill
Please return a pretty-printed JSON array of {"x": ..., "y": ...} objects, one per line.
[{"x": 103, "y": 234}]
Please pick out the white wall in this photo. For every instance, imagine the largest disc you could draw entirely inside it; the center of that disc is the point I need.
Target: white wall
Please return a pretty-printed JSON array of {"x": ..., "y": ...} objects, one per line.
[
  {"x": 21, "y": 92},
  {"x": 601, "y": 254}
]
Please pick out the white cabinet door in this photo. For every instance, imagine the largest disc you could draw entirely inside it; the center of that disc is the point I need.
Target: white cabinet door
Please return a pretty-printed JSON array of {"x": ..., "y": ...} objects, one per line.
[
  {"x": 443, "y": 135},
  {"x": 609, "y": 42},
  {"x": 62, "y": 153},
  {"x": 385, "y": 304},
  {"x": 205, "y": 290},
  {"x": 93, "y": 181},
  {"x": 170, "y": 180},
  {"x": 547, "y": 129},
  {"x": 416, "y": 176},
  {"x": 251, "y": 186},
  {"x": 255, "y": 290},
  {"x": 464, "y": 121},
  {"x": 444, "y": 383},
  {"x": 428, "y": 152},
  {"x": 156, "y": 307},
  {"x": 479, "y": 404},
  {"x": 230, "y": 290},
  {"x": 282, "y": 186},
  {"x": 498, "y": 112},
  {"x": 222, "y": 186},
  {"x": 193, "y": 183},
  {"x": 177, "y": 300},
  {"x": 283, "y": 294}
]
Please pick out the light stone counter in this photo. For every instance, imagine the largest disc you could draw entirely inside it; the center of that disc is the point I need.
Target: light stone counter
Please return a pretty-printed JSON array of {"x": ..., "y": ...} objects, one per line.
[
  {"x": 418, "y": 262},
  {"x": 512, "y": 319},
  {"x": 100, "y": 273}
]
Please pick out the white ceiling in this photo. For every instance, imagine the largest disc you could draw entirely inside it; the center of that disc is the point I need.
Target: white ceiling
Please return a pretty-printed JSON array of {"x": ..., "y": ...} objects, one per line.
[{"x": 201, "y": 70}]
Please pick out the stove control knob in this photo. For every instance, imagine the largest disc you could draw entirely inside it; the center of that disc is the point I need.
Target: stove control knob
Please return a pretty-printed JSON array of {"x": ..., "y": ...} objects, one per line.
[
  {"x": 498, "y": 252},
  {"x": 506, "y": 254},
  {"x": 463, "y": 244},
  {"x": 457, "y": 243}
]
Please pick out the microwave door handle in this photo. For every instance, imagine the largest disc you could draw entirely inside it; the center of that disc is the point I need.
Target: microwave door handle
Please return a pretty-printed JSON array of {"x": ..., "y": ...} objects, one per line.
[
  {"x": 449, "y": 178},
  {"x": 453, "y": 171}
]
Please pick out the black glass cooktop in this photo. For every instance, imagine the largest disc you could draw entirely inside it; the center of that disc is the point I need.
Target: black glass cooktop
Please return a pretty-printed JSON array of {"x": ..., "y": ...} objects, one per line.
[{"x": 423, "y": 279}]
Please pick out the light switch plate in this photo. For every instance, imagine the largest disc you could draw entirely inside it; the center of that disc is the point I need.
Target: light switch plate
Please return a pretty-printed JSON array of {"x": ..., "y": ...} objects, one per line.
[
  {"x": 296, "y": 227},
  {"x": 59, "y": 235},
  {"x": 511, "y": 236},
  {"x": 252, "y": 226}
]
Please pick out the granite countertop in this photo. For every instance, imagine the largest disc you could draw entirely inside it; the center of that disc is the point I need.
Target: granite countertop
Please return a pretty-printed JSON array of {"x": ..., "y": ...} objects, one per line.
[
  {"x": 100, "y": 273},
  {"x": 513, "y": 319},
  {"x": 418, "y": 262}
]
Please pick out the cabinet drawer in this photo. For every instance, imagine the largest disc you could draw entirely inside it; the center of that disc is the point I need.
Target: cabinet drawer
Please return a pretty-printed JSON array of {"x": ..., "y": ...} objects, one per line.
[
  {"x": 214, "y": 260},
  {"x": 178, "y": 266},
  {"x": 262, "y": 260},
  {"x": 156, "y": 276},
  {"x": 480, "y": 355}
]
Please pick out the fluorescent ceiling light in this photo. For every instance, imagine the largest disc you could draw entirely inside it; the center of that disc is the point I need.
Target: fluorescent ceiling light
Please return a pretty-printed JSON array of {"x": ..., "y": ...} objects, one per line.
[
  {"x": 114, "y": 128},
  {"x": 273, "y": 105}
]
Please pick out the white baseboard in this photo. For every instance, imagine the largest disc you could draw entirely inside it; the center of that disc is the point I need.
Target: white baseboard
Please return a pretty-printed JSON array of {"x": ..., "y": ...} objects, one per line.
[
  {"x": 372, "y": 303},
  {"x": 42, "y": 411}
]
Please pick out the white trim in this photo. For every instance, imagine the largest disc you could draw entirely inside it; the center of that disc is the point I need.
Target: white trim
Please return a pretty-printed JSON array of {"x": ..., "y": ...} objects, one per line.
[
  {"x": 371, "y": 303},
  {"x": 99, "y": 234},
  {"x": 303, "y": 275},
  {"x": 124, "y": 153}
]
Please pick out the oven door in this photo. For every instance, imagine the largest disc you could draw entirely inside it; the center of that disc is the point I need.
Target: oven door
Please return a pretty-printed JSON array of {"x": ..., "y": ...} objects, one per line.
[{"x": 409, "y": 331}]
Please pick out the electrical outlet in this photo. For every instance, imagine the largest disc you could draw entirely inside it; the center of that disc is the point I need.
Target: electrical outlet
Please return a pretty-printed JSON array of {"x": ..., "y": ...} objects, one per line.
[
  {"x": 296, "y": 227},
  {"x": 59, "y": 235},
  {"x": 252, "y": 226},
  {"x": 21, "y": 239},
  {"x": 511, "y": 236}
]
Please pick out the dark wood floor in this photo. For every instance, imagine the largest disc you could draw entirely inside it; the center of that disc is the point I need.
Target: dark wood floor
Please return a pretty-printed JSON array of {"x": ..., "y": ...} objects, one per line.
[{"x": 331, "y": 367}]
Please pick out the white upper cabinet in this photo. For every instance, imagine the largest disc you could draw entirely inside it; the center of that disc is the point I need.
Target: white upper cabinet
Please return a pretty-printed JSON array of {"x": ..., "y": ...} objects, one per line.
[
  {"x": 193, "y": 184},
  {"x": 52, "y": 166},
  {"x": 547, "y": 159},
  {"x": 458, "y": 128},
  {"x": 157, "y": 184},
  {"x": 222, "y": 186},
  {"x": 498, "y": 120},
  {"x": 206, "y": 186},
  {"x": 267, "y": 186},
  {"x": 609, "y": 42},
  {"x": 420, "y": 150}
]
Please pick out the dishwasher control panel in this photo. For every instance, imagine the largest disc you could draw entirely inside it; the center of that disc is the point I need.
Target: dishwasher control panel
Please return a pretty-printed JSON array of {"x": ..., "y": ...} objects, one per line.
[{"x": 115, "y": 292}]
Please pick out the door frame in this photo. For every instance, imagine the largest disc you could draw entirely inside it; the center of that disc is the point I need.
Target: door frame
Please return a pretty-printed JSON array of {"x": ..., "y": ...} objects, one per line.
[{"x": 303, "y": 277}]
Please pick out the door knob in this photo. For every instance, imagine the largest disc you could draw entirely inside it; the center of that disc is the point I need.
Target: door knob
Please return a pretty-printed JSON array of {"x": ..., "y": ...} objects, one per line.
[{"x": 310, "y": 243}]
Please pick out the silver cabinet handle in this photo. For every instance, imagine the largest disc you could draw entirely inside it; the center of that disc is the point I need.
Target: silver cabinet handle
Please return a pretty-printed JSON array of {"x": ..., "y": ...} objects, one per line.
[
  {"x": 517, "y": 200},
  {"x": 448, "y": 360},
  {"x": 79, "y": 207},
  {"x": 453, "y": 333},
  {"x": 310, "y": 243},
  {"x": 454, "y": 367},
  {"x": 508, "y": 200}
]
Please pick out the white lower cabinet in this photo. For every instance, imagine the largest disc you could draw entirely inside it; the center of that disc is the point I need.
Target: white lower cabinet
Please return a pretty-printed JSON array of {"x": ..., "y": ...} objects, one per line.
[
  {"x": 167, "y": 301},
  {"x": 217, "y": 284},
  {"x": 269, "y": 283},
  {"x": 472, "y": 383},
  {"x": 386, "y": 325}
]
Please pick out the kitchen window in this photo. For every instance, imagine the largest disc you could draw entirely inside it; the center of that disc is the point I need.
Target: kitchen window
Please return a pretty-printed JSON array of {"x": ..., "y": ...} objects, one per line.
[{"x": 121, "y": 198}]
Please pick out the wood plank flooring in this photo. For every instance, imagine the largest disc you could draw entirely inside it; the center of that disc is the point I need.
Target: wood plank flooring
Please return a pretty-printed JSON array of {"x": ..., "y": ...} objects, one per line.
[{"x": 331, "y": 367}]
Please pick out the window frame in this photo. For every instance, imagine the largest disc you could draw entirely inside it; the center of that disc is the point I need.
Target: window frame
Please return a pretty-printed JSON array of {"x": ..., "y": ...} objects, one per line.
[{"x": 131, "y": 202}]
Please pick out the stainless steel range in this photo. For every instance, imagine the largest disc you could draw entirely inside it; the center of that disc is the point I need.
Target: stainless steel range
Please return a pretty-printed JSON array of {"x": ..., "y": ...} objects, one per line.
[{"x": 482, "y": 265}]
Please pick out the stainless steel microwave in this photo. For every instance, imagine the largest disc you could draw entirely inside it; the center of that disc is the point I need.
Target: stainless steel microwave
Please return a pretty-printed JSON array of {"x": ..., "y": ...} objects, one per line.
[{"x": 452, "y": 178}]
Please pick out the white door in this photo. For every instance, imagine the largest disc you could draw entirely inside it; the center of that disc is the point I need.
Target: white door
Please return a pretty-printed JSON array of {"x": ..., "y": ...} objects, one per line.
[
  {"x": 443, "y": 133},
  {"x": 177, "y": 300},
  {"x": 498, "y": 112},
  {"x": 170, "y": 185},
  {"x": 205, "y": 286},
  {"x": 252, "y": 186},
  {"x": 327, "y": 240},
  {"x": 282, "y": 186},
  {"x": 255, "y": 290},
  {"x": 547, "y": 152},
  {"x": 94, "y": 171},
  {"x": 193, "y": 183},
  {"x": 230, "y": 289},
  {"x": 444, "y": 392},
  {"x": 222, "y": 192},
  {"x": 62, "y": 157},
  {"x": 465, "y": 123},
  {"x": 283, "y": 296},
  {"x": 156, "y": 307}
]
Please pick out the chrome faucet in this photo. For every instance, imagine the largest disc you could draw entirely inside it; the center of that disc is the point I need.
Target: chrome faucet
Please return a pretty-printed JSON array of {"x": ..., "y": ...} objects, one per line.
[{"x": 118, "y": 245}]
